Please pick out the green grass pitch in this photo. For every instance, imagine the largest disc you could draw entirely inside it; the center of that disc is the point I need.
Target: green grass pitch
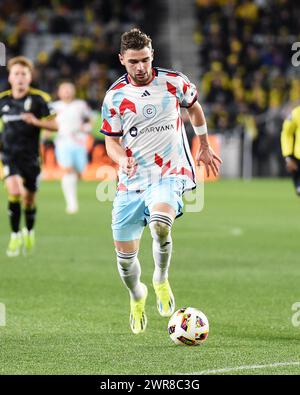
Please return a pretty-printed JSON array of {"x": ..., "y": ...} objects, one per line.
[{"x": 238, "y": 260}]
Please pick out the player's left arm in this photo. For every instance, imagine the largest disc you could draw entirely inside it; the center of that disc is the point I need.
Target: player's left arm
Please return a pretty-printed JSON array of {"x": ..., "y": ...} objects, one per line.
[
  {"x": 42, "y": 123},
  {"x": 44, "y": 117},
  {"x": 87, "y": 119},
  {"x": 205, "y": 153}
]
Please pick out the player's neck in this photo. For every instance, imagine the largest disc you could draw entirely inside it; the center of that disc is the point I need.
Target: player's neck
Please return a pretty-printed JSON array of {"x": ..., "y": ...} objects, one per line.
[
  {"x": 135, "y": 82},
  {"x": 18, "y": 93}
]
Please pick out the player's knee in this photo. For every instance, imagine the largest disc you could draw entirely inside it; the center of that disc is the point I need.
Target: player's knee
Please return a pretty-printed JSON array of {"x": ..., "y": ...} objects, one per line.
[
  {"x": 14, "y": 198},
  {"x": 126, "y": 260},
  {"x": 159, "y": 230},
  {"x": 160, "y": 225}
]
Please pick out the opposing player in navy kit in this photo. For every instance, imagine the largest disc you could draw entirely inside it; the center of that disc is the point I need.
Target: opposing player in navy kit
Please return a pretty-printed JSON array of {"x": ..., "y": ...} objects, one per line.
[
  {"x": 24, "y": 112},
  {"x": 145, "y": 135}
]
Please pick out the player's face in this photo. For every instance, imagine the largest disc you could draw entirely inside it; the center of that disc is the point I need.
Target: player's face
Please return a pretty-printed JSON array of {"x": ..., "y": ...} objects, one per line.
[
  {"x": 19, "y": 77},
  {"x": 138, "y": 64},
  {"x": 66, "y": 92}
]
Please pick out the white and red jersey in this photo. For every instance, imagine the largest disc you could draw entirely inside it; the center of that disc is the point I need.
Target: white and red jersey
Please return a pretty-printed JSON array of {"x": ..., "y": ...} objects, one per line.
[
  {"x": 71, "y": 118},
  {"x": 148, "y": 122}
]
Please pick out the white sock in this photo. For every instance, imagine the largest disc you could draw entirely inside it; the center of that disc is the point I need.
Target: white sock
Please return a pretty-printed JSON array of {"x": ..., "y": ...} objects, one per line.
[
  {"x": 69, "y": 187},
  {"x": 162, "y": 257},
  {"x": 160, "y": 227},
  {"x": 130, "y": 273}
]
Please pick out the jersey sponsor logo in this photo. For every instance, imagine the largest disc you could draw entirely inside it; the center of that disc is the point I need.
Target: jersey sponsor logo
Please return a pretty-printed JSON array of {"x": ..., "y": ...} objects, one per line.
[
  {"x": 149, "y": 111},
  {"x": 5, "y": 108},
  {"x": 158, "y": 129},
  {"x": 133, "y": 131},
  {"x": 11, "y": 118},
  {"x": 27, "y": 104}
]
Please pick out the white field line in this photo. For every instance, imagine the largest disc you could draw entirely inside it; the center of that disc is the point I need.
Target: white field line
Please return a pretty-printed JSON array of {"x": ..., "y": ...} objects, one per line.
[{"x": 246, "y": 367}]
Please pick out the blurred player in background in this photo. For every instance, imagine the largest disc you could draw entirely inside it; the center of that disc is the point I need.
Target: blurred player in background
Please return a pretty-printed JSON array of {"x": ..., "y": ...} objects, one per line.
[
  {"x": 290, "y": 146},
  {"x": 145, "y": 135},
  {"x": 74, "y": 119},
  {"x": 24, "y": 112}
]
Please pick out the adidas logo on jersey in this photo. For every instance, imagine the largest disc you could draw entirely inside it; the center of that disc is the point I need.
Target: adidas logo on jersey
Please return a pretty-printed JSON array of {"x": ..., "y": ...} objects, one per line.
[{"x": 146, "y": 93}]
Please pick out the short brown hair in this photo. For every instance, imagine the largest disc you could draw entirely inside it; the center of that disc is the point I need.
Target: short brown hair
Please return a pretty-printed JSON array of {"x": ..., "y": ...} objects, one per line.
[
  {"x": 20, "y": 60},
  {"x": 135, "y": 39}
]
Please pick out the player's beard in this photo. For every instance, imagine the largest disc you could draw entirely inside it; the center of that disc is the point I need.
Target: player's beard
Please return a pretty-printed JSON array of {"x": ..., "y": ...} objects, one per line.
[{"x": 141, "y": 78}]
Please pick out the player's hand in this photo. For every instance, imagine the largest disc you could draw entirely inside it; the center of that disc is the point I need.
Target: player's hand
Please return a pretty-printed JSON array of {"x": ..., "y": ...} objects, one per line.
[
  {"x": 291, "y": 165},
  {"x": 210, "y": 159},
  {"x": 127, "y": 165},
  {"x": 30, "y": 118}
]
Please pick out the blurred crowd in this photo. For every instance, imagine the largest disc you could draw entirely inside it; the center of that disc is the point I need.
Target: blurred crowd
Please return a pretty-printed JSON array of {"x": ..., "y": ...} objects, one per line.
[
  {"x": 84, "y": 37},
  {"x": 248, "y": 81}
]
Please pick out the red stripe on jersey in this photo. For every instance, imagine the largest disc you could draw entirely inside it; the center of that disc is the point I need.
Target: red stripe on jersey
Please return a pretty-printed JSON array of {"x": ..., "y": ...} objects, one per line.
[
  {"x": 187, "y": 172},
  {"x": 185, "y": 86},
  {"x": 166, "y": 168},
  {"x": 171, "y": 88},
  {"x": 106, "y": 126},
  {"x": 173, "y": 74},
  {"x": 158, "y": 160},
  {"x": 112, "y": 112},
  {"x": 127, "y": 104},
  {"x": 118, "y": 86}
]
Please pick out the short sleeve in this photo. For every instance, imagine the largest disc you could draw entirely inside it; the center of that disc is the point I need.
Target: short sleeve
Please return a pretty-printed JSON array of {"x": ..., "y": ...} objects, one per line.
[
  {"x": 111, "y": 122},
  {"x": 187, "y": 92},
  {"x": 46, "y": 109}
]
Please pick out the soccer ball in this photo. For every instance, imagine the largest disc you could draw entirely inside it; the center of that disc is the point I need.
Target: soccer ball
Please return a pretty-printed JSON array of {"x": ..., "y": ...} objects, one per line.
[{"x": 188, "y": 326}]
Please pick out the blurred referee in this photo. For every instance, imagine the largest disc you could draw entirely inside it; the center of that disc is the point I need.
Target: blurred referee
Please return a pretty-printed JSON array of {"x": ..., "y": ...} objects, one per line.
[
  {"x": 290, "y": 145},
  {"x": 24, "y": 112}
]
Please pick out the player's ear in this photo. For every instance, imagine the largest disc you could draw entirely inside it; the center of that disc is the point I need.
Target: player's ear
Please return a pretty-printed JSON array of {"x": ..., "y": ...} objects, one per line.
[{"x": 121, "y": 59}]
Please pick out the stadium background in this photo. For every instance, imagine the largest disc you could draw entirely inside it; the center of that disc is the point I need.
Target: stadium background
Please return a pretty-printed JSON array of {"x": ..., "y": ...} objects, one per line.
[
  {"x": 237, "y": 260},
  {"x": 246, "y": 82}
]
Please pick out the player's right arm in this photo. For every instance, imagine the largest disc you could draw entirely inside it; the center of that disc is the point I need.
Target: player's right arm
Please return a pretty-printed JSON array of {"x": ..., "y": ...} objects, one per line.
[
  {"x": 287, "y": 142},
  {"x": 116, "y": 152},
  {"x": 112, "y": 128}
]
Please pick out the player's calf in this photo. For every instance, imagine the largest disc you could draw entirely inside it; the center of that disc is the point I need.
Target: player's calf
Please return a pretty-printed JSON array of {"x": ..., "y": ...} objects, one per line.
[
  {"x": 130, "y": 273},
  {"x": 160, "y": 227}
]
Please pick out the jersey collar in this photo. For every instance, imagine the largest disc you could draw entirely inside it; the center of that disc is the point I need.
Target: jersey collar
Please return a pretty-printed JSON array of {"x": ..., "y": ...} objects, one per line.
[{"x": 129, "y": 81}]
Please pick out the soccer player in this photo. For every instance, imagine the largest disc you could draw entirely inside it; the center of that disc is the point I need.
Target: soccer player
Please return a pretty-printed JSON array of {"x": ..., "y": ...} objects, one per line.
[
  {"x": 290, "y": 146},
  {"x": 24, "y": 111},
  {"x": 145, "y": 135},
  {"x": 74, "y": 122}
]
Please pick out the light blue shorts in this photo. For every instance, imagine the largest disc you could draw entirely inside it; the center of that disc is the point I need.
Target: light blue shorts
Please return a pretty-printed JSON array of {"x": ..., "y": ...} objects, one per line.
[
  {"x": 71, "y": 155},
  {"x": 131, "y": 209}
]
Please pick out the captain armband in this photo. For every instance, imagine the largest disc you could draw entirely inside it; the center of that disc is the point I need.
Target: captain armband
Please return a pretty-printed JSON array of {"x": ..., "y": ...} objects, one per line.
[{"x": 200, "y": 130}]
